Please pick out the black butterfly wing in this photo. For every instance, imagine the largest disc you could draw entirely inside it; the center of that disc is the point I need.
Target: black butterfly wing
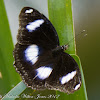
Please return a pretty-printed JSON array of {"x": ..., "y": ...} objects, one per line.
[
  {"x": 35, "y": 28},
  {"x": 66, "y": 75},
  {"x": 55, "y": 72},
  {"x": 33, "y": 66},
  {"x": 36, "y": 38}
]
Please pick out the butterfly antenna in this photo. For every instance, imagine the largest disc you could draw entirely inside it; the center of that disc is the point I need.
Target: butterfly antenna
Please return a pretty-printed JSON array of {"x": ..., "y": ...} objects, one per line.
[
  {"x": 65, "y": 47},
  {"x": 76, "y": 37}
]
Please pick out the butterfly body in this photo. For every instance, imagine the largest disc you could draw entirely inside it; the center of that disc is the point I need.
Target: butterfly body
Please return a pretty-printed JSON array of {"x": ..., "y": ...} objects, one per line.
[{"x": 39, "y": 58}]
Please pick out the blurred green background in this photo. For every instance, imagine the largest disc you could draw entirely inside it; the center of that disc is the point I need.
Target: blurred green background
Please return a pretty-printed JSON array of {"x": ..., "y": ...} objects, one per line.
[
  {"x": 86, "y": 14},
  {"x": 87, "y": 17}
]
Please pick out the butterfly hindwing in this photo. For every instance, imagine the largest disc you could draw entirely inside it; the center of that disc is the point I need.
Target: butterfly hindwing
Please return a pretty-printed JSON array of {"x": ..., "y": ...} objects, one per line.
[
  {"x": 65, "y": 75},
  {"x": 30, "y": 60}
]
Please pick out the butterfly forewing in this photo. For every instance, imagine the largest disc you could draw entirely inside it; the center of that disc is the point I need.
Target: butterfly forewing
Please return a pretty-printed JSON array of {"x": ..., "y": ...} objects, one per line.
[
  {"x": 35, "y": 28},
  {"x": 38, "y": 58}
]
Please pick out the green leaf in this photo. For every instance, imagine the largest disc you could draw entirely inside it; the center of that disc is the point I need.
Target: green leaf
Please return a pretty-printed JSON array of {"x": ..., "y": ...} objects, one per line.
[
  {"x": 60, "y": 14},
  {"x": 8, "y": 76},
  {"x": 15, "y": 92}
]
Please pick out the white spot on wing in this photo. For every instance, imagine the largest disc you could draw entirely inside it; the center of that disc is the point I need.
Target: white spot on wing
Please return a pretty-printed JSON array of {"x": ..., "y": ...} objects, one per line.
[
  {"x": 43, "y": 72},
  {"x": 29, "y": 11},
  {"x": 31, "y": 53},
  {"x": 33, "y": 25},
  {"x": 67, "y": 77},
  {"x": 77, "y": 86}
]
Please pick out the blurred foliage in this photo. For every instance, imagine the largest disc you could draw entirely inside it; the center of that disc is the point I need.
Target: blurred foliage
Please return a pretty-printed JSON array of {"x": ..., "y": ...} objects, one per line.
[{"x": 8, "y": 76}]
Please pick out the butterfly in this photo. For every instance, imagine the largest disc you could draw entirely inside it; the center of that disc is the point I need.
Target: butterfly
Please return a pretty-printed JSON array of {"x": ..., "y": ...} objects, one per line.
[{"x": 39, "y": 58}]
